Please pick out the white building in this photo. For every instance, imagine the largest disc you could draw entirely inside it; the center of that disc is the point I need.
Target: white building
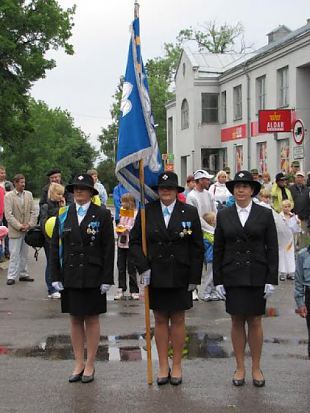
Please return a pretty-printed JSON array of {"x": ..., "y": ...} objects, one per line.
[{"x": 213, "y": 121}]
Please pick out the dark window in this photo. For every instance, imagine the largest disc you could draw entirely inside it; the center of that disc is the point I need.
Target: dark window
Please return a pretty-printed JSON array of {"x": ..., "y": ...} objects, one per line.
[{"x": 209, "y": 107}]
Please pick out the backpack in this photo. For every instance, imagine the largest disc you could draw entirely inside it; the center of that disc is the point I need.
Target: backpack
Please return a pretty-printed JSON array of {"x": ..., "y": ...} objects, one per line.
[{"x": 35, "y": 238}]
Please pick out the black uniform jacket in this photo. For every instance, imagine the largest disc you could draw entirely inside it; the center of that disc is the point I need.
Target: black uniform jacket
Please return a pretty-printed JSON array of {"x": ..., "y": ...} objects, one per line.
[
  {"x": 88, "y": 249},
  {"x": 245, "y": 256},
  {"x": 174, "y": 257}
]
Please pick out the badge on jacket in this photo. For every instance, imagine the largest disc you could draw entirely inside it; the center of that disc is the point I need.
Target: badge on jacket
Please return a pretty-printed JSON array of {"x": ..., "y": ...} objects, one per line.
[
  {"x": 186, "y": 229},
  {"x": 93, "y": 228}
]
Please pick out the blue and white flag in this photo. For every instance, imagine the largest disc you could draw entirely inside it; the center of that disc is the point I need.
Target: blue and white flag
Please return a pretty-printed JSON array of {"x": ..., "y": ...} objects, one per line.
[{"x": 137, "y": 136}]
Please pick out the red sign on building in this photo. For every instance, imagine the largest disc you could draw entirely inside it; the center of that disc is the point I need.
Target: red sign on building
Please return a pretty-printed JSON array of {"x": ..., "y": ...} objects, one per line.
[
  {"x": 236, "y": 132},
  {"x": 271, "y": 121}
]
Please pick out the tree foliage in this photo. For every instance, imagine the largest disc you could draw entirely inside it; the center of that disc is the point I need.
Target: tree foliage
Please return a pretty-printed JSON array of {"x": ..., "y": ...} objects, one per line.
[
  {"x": 52, "y": 142},
  {"x": 213, "y": 37},
  {"x": 28, "y": 29}
]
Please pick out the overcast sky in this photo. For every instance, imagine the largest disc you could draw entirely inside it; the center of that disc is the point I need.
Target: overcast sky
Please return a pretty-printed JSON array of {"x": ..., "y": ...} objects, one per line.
[{"x": 85, "y": 82}]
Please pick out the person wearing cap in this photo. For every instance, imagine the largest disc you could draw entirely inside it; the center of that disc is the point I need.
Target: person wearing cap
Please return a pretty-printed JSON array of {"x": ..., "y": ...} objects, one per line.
[
  {"x": 172, "y": 268},
  {"x": 255, "y": 174},
  {"x": 227, "y": 170},
  {"x": 301, "y": 197},
  {"x": 81, "y": 267},
  {"x": 54, "y": 175},
  {"x": 280, "y": 192},
  {"x": 201, "y": 198},
  {"x": 295, "y": 167},
  {"x": 245, "y": 269}
]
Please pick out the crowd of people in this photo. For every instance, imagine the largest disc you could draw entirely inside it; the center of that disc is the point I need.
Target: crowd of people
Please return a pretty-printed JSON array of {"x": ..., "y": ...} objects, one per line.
[{"x": 217, "y": 238}]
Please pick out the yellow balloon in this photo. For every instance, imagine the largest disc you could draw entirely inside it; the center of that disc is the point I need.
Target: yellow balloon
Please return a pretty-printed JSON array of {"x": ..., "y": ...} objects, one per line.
[
  {"x": 96, "y": 200},
  {"x": 49, "y": 226}
]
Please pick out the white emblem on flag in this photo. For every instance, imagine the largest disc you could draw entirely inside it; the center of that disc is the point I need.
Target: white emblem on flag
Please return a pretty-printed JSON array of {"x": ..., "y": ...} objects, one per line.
[
  {"x": 165, "y": 177},
  {"x": 125, "y": 102}
]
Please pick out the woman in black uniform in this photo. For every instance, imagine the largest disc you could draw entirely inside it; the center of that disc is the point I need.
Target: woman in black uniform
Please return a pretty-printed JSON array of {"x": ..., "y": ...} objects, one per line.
[
  {"x": 173, "y": 267},
  {"x": 245, "y": 268},
  {"x": 81, "y": 265}
]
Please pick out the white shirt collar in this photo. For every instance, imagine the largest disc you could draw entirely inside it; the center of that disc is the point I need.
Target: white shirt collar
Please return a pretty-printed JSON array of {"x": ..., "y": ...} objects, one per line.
[
  {"x": 84, "y": 206},
  {"x": 247, "y": 209},
  {"x": 170, "y": 207}
]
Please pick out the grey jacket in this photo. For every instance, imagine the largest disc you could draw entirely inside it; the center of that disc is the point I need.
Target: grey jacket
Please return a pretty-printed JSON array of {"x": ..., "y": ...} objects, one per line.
[{"x": 302, "y": 275}]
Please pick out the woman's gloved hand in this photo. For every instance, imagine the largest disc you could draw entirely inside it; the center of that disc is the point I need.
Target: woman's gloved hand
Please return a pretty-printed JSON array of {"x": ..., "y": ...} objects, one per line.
[
  {"x": 269, "y": 290},
  {"x": 104, "y": 288},
  {"x": 146, "y": 278},
  {"x": 221, "y": 292}
]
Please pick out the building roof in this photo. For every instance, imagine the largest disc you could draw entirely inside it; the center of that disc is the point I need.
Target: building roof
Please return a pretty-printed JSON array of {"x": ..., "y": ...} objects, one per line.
[
  {"x": 213, "y": 65},
  {"x": 207, "y": 62}
]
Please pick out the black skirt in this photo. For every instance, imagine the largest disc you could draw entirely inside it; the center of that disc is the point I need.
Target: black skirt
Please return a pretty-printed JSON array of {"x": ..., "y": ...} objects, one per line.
[
  {"x": 245, "y": 301},
  {"x": 170, "y": 300},
  {"x": 83, "y": 301}
]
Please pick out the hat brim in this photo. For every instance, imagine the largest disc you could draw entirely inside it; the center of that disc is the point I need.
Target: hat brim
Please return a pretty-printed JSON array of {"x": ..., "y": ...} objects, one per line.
[
  {"x": 70, "y": 188},
  {"x": 256, "y": 185},
  {"x": 178, "y": 188}
]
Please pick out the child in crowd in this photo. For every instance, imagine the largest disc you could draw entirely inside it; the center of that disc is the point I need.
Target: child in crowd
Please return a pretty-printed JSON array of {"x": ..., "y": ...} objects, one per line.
[
  {"x": 208, "y": 292},
  {"x": 287, "y": 253},
  {"x": 124, "y": 262},
  {"x": 55, "y": 200}
]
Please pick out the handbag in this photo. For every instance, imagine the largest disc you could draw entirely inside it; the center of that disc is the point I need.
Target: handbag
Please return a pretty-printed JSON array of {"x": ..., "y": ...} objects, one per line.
[{"x": 35, "y": 238}]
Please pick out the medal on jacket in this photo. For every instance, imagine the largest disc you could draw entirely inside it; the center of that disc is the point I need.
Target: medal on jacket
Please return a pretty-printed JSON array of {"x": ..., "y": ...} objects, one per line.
[
  {"x": 184, "y": 225},
  {"x": 189, "y": 224},
  {"x": 93, "y": 228}
]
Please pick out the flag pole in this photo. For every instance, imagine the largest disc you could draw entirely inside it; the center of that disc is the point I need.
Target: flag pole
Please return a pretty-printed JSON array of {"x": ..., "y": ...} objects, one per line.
[
  {"x": 146, "y": 288},
  {"x": 144, "y": 249}
]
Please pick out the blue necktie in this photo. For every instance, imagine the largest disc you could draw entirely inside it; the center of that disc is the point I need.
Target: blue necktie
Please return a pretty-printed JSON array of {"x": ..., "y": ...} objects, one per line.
[
  {"x": 81, "y": 211},
  {"x": 166, "y": 212}
]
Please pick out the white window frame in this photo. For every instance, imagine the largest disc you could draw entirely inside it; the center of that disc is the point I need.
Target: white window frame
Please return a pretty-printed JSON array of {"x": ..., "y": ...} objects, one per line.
[
  {"x": 260, "y": 93},
  {"x": 223, "y": 107},
  {"x": 283, "y": 87},
  {"x": 237, "y": 99}
]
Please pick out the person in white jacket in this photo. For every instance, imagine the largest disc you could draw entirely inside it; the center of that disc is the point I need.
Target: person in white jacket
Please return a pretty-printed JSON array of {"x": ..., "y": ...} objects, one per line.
[{"x": 218, "y": 190}]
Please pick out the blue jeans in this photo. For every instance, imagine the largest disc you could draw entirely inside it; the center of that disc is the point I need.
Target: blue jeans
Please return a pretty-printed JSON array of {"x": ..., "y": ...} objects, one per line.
[{"x": 48, "y": 279}]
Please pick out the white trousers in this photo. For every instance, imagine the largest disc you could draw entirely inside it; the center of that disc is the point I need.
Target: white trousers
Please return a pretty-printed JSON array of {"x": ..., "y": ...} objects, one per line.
[
  {"x": 207, "y": 285},
  {"x": 18, "y": 258}
]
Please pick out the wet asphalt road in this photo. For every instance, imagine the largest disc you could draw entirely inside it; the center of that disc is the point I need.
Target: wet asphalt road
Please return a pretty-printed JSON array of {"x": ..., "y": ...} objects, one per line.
[{"x": 35, "y": 359}]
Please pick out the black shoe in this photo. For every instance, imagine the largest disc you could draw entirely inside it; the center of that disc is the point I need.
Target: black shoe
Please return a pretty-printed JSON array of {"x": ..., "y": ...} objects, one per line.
[
  {"x": 259, "y": 383},
  {"x": 10, "y": 281},
  {"x": 163, "y": 380},
  {"x": 76, "y": 377},
  {"x": 175, "y": 381},
  {"x": 26, "y": 279},
  {"x": 88, "y": 379},
  {"x": 238, "y": 382}
]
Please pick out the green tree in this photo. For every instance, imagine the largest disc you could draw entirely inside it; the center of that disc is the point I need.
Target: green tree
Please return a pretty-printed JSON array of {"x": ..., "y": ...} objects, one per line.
[
  {"x": 52, "y": 142},
  {"x": 28, "y": 29},
  {"x": 214, "y": 37}
]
